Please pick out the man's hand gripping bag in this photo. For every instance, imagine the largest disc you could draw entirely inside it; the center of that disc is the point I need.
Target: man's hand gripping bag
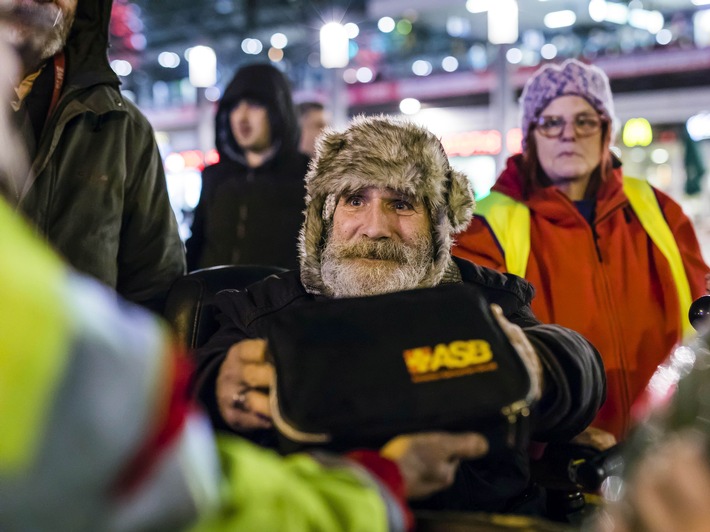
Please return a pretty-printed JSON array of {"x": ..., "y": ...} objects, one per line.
[{"x": 353, "y": 373}]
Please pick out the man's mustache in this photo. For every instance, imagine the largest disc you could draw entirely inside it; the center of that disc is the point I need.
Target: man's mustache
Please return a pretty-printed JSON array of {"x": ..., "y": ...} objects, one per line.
[{"x": 374, "y": 249}]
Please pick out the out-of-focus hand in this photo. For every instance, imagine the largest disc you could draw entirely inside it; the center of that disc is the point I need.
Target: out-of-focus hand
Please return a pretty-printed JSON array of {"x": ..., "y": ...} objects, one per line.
[
  {"x": 428, "y": 461},
  {"x": 243, "y": 386},
  {"x": 524, "y": 348},
  {"x": 670, "y": 491},
  {"x": 599, "y": 439}
]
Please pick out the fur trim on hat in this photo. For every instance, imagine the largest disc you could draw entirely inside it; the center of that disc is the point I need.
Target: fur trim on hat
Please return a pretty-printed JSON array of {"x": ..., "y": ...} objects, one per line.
[
  {"x": 571, "y": 78},
  {"x": 390, "y": 153}
]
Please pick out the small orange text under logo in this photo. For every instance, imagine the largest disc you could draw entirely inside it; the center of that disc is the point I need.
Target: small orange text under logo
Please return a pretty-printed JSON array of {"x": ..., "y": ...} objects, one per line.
[{"x": 445, "y": 361}]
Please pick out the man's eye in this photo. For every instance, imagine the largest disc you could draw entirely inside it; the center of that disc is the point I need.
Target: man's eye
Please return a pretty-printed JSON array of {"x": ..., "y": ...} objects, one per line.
[
  {"x": 354, "y": 201},
  {"x": 401, "y": 205}
]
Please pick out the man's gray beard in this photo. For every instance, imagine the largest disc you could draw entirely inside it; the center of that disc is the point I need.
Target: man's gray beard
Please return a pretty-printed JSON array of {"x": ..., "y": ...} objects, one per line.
[
  {"x": 36, "y": 33},
  {"x": 399, "y": 266},
  {"x": 13, "y": 167}
]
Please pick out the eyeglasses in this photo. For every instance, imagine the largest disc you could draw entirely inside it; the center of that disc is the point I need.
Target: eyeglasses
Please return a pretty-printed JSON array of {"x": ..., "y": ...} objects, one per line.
[{"x": 584, "y": 125}]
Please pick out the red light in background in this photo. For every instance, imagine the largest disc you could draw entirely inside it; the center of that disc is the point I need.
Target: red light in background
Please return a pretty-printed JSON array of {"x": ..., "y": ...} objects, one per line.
[
  {"x": 667, "y": 135},
  {"x": 470, "y": 143},
  {"x": 193, "y": 159},
  {"x": 514, "y": 140},
  {"x": 212, "y": 157}
]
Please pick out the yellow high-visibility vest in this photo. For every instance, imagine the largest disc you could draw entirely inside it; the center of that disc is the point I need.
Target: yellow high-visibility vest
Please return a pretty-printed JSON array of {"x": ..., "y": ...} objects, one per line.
[
  {"x": 510, "y": 222},
  {"x": 34, "y": 337}
]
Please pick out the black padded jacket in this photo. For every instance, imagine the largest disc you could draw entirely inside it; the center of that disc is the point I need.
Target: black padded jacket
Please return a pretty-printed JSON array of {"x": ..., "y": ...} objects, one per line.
[
  {"x": 252, "y": 215},
  {"x": 574, "y": 376}
]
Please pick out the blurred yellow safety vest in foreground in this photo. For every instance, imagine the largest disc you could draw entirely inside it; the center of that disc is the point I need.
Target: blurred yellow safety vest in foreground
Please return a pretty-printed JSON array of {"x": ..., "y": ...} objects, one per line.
[
  {"x": 85, "y": 383},
  {"x": 510, "y": 222}
]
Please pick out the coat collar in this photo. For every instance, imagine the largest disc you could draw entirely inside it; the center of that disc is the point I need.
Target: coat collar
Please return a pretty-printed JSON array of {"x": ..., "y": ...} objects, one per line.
[{"x": 552, "y": 204}]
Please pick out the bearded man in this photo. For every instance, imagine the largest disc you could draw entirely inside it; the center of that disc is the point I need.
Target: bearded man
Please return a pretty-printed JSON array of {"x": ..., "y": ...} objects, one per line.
[
  {"x": 382, "y": 206},
  {"x": 96, "y": 188}
]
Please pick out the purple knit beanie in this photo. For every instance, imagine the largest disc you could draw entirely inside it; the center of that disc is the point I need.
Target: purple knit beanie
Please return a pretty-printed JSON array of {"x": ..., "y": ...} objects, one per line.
[{"x": 570, "y": 78}]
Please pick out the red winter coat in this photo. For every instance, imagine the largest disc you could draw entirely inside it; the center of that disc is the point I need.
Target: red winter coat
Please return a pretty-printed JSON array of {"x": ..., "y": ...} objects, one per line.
[{"x": 607, "y": 280}]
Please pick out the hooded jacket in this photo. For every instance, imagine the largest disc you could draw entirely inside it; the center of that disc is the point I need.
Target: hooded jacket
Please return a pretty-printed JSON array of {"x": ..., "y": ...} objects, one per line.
[
  {"x": 251, "y": 215},
  {"x": 606, "y": 280},
  {"x": 96, "y": 189},
  {"x": 378, "y": 151}
]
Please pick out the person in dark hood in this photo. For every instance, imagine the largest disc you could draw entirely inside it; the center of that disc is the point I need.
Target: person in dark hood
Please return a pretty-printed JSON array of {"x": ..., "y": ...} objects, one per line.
[
  {"x": 250, "y": 209},
  {"x": 96, "y": 187},
  {"x": 383, "y": 205}
]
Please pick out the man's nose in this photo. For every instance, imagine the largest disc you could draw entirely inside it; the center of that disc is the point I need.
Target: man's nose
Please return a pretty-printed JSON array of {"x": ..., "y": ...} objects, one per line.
[{"x": 377, "y": 222}]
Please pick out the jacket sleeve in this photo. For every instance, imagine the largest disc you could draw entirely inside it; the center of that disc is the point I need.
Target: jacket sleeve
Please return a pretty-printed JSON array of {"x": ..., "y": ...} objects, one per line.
[
  {"x": 575, "y": 382},
  {"x": 478, "y": 245},
  {"x": 264, "y": 491},
  {"x": 685, "y": 237},
  {"x": 151, "y": 255},
  {"x": 232, "y": 305}
]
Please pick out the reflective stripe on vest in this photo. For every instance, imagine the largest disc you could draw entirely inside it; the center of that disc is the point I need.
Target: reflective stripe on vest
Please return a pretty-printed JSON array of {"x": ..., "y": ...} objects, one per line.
[
  {"x": 502, "y": 212},
  {"x": 645, "y": 205}
]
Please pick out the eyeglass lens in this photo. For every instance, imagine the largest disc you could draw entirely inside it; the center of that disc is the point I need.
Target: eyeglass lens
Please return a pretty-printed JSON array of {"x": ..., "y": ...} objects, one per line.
[{"x": 584, "y": 125}]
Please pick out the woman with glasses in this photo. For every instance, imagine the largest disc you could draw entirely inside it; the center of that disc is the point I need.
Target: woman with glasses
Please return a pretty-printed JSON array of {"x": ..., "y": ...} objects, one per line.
[{"x": 609, "y": 256}]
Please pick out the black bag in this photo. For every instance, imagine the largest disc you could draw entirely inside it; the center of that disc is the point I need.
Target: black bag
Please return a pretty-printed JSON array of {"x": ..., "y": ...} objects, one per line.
[{"x": 353, "y": 373}]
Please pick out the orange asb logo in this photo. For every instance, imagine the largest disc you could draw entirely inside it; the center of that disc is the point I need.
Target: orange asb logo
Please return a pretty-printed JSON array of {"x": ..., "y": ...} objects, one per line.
[{"x": 444, "y": 361}]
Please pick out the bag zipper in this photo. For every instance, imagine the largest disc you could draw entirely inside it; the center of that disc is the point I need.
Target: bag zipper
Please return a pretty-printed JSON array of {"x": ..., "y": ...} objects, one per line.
[
  {"x": 513, "y": 413},
  {"x": 521, "y": 408}
]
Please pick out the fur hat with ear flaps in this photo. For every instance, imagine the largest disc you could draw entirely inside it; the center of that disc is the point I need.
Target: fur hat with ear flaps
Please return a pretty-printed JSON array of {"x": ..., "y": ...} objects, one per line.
[{"x": 384, "y": 152}]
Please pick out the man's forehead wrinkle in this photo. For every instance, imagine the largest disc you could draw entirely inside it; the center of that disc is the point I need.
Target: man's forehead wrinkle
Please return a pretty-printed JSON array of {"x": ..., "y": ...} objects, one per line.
[{"x": 391, "y": 192}]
